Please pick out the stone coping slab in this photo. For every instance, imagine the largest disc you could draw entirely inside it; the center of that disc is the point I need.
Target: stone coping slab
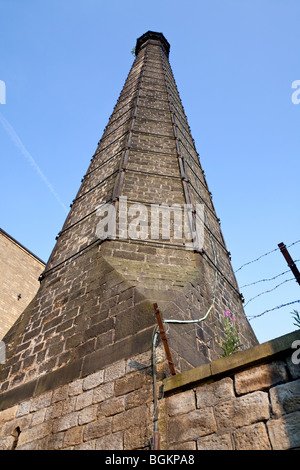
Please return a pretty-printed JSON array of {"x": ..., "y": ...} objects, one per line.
[{"x": 237, "y": 361}]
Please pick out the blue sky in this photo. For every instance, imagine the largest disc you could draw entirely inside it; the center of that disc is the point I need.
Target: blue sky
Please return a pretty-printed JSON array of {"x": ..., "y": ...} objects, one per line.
[{"x": 64, "y": 63}]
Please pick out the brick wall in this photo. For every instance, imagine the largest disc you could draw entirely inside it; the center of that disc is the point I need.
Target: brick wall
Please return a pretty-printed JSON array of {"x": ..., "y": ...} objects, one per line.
[{"x": 19, "y": 272}]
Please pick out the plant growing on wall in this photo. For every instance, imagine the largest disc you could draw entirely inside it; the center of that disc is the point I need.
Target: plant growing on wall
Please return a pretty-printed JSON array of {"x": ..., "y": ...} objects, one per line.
[
  {"x": 296, "y": 317},
  {"x": 231, "y": 342}
]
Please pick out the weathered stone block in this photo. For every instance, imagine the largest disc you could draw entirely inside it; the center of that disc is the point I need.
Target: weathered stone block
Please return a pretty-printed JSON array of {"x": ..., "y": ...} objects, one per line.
[
  {"x": 294, "y": 369},
  {"x": 53, "y": 442},
  {"x": 54, "y": 411},
  {"x": 90, "y": 445},
  {"x": 111, "y": 442},
  {"x": 73, "y": 436},
  {"x": 69, "y": 405},
  {"x": 242, "y": 411},
  {"x": 60, "y": 393},
  {"x": 130, "y": 418},
  {"x": 211, "y": 394},
  {"x": 76, "y": 387},
  {"x": 8, "y": 414},
  {"x": 124, "y": 349},
  {"x": 189, "y": 445},
  {"x": 9, "y": 428},
  {"x": 254, "y": 437},
  {"x": 34, "y": 433},
  {"x": 99, "y": 328},
  {"x": 134, "y": 319},
  {"x": 6, "y": 443},
  {"x": 139, "y": 361},
  {"x": 65, "y": 422},
  {"x": 93, "y": 380},
  {"x": 128, "y": 383},
  {"x": 97, "y": 429},
  {"x": 84, "y": 400},
  {"x": 260, "y": 377},
  {"x": 285, "y": 398},
  {"x": 136, "y": 437},
  {"x": 285, "y": 432},
  {"x": 87, "y": 414},
  {"x": 38, "y": 417},
  {"x": 33, "y": 445},
  {"x": 23, "y": 409},
  {"x": 103, "y": 392},
  {"x": 41, "y": 401},
  {"x": 138, "y": 397},
  {"x": 115, "y": 371},
  {"x": 215, "y": 442},
  {"x": 191, "y": 425},
  {"x": 181, "y": 403},
  {"x": 104, "y": 340},
  {"x": 112, "y": 406}
]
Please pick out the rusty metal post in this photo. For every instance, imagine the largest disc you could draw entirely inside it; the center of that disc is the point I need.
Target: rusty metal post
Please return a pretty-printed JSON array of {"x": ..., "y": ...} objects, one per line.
[
  {"x": 156, "y": 441},
  {"x": 164, "y": 339},
  {"x": 290, "y": 261}
]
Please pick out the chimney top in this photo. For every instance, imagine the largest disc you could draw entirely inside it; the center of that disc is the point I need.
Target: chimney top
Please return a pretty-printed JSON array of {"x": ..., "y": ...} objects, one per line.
[{"x": 152, "y": 35}]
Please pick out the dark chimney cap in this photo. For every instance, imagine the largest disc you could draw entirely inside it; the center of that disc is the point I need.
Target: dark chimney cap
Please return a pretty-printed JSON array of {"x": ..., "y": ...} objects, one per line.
[{"x": 152, "y": 35}]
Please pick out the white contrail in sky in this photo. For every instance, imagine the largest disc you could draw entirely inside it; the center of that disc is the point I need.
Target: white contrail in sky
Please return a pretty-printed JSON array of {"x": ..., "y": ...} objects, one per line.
[{"x": 17, "y": 141}]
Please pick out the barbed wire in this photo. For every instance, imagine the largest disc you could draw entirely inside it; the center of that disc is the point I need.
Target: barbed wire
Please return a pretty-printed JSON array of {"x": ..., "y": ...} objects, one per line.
[
  {"x": 265, "y": 254},
  {"x": 270, "y": 290},
  {"x": 268, "y": 279},
  {"x": 257, "y": 259},
  {"x": 251, "y": 317},
  {"x": 293, "y": 243},
  {"x": 264, "y": 280}
]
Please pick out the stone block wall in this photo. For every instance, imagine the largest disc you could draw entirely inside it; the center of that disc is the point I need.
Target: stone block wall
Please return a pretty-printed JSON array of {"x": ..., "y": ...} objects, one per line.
[
  {"x": 248, "y": 401},
  {"x": 111, "y": 409}
]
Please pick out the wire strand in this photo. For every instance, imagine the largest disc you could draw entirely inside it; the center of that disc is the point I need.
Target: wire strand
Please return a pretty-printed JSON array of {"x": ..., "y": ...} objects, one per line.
[
  {"x": 268, "y": 279},
  {"x": 265, "y": 254},
  {"x": 270, "y": 290},
  {"x": 257, "y": 259},
  {"x": 272, "y": 309}
]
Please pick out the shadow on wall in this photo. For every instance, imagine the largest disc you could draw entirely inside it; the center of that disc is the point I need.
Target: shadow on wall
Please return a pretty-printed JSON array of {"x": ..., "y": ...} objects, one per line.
[{"x": 284, "y": 428}]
